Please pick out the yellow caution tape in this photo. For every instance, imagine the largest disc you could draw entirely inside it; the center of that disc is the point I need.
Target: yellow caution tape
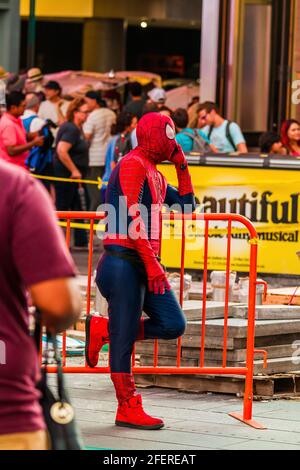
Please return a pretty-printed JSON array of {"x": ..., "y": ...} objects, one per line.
[
  {"x": 97, "y": 228},
  {"x": 254, "y": 241},
  {"x": 99, "y": 181},
  {"x": 69, "y": 180}
]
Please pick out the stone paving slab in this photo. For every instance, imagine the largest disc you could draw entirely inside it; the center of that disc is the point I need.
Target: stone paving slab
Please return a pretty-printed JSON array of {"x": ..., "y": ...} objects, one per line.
[
  {"x": 193, "y": 309},
  {"x": 237, "y": 327},
  {"x": 147, "y": 347},
  {"x": 127, "y": 443},
  {"x": 274, "y": 352},
  {"x": 217, "y": 342},
  {"x": 268, "y": 312},
  {"x": 214, "y": 342},
  {"x": 274, "y": 366},
  {"x": 284, "y": 437},
  {"x": 277, "y": 424},
  {"x": 261, "y": 445}
]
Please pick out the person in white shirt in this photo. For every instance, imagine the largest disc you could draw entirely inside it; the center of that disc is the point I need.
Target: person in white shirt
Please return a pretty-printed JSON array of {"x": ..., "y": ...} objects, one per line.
[
  {"x": 54, "y": 108},
  {"x": 97, "y": 130}
]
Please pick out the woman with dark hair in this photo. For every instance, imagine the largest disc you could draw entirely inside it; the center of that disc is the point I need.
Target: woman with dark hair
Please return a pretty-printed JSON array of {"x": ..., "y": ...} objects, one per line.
[
  {"x": 290, "y": 137},
  {"x": 270, "y": 144},
  {"x": 71, "y": 161},
  {"x": 120, "y": 144}
]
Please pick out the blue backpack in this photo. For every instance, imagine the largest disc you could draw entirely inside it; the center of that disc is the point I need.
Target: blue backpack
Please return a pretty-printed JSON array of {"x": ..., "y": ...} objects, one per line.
[{"x": 39, "y": 157}]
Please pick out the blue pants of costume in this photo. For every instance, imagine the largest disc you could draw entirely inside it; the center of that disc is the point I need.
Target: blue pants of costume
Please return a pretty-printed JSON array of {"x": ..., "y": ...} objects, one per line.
[{"x": 120, "y": 282}]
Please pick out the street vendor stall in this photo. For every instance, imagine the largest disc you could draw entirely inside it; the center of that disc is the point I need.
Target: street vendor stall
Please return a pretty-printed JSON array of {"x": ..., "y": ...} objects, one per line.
[{"x": 266, "y": 189}]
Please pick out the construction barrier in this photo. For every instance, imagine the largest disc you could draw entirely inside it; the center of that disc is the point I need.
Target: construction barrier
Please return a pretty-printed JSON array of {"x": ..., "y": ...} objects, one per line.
[{"x": 206, "y": 220}]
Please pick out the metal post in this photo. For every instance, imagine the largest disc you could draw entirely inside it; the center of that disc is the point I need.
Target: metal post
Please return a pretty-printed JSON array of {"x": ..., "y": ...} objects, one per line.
[
  {"x": 10, "y": 34},
  {"x": 209, "y": 49},
  {"x": 31, "y": 36}
]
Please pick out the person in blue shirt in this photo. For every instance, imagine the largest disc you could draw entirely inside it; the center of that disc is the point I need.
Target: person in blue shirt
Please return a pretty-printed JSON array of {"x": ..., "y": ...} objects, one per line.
[
  {"x": 190, "y": 140},
  {"x": 225, "y": 135}
]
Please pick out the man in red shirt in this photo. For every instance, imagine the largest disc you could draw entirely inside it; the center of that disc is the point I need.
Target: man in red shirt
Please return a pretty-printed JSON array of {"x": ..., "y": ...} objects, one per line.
[
  {"x": 14, "y": 147},
  {"x": 34, "y": 259}
]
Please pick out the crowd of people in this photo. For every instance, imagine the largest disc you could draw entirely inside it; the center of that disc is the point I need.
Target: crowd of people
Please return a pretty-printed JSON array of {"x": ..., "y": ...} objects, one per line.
[{"x": 80, "y": 138}]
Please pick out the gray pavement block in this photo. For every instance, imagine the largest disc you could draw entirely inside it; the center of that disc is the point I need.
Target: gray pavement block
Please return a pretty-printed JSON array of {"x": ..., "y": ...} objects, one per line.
[
  {"x": 167, "y": 361},
  {"x": 214, "y": 342},
  {"x": 269, "y": 312},
  {"x": 123, "y": 443},
  {"x": 282, "y": 415},
  {"x": 238, "y": 355},
  {"x": 261, "y": 445},
  {"x": 237, "y": 327},
  {"x": 147, "y": 348},
  {"x": 94, "y": 405},
  {"x": 92, "y": 395},
  {"x": 193, "y": 309},
  {"x": 274, "y": 366},
  {"x": 277, "y": 424},
  {"x": 245, "y": 432},
  {"x": 217, "y": 342}
]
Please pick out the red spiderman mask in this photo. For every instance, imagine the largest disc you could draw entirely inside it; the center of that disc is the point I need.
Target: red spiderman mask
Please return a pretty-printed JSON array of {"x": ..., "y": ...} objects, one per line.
[{"x": 156, "y": 137}]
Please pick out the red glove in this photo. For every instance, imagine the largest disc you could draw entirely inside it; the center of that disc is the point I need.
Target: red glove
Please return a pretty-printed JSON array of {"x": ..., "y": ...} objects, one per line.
[
  {"x": 183, "y": 175},
  {"x": 157, "y": 281},
  {"x": 159, "y": 285},
  {"x": 178, "y": 157}
]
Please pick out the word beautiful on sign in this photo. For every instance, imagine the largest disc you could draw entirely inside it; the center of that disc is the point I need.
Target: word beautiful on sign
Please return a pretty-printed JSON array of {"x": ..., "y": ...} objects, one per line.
[{"x": 259, "y": 207}]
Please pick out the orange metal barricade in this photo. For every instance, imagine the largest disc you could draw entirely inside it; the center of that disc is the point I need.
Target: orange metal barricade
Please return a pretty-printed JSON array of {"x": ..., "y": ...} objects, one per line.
[{"x": 246, "y": 371}]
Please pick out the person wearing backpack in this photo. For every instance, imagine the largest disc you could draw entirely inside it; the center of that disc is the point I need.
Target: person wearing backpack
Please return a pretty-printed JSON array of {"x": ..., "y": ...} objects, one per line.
[
  {"x": 225, "y": 135},
  {"x": 14, "y": 143},
  {"x": 40, "y": 159},
  {"x": 190, "y": 140}
]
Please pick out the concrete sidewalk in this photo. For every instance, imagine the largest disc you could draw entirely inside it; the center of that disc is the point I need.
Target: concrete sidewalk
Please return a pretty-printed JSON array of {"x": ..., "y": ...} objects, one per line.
[{"x": 192, "y": 421}]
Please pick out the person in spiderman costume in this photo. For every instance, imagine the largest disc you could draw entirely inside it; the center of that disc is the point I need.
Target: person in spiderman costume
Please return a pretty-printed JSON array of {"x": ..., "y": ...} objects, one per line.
[{"x": 129, "y": 274}]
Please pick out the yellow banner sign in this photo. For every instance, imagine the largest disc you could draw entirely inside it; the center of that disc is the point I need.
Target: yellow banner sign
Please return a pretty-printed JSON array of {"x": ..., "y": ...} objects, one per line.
[
  {"x": 269, "y": 198},
  {"x": 58, "y": 8}
]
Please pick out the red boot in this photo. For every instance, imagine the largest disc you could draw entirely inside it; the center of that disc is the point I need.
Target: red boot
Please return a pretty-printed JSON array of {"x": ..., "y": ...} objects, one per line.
[
  {"x": 130, "y": 413},
  {"x": 96, "y": 335},
  {"x": 96, "y": 330}
]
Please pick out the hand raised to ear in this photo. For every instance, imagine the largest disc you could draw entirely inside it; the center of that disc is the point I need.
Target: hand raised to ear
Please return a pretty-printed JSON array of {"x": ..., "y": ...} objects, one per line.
[{"x": 178, "y": 156}]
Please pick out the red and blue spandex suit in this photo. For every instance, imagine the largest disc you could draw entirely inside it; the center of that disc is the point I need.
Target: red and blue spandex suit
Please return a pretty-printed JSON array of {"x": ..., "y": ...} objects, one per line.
[{"x": 129, "y": 274}]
